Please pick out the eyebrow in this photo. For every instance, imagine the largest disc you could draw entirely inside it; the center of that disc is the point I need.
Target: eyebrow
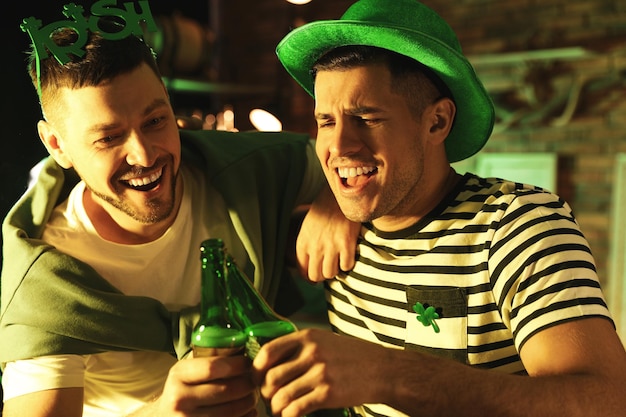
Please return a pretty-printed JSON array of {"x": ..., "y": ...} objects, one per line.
[
  {"x": 149, "y": 109},
  {"x": 160, "y": 102},
  {"x": 357, "y": 111}
]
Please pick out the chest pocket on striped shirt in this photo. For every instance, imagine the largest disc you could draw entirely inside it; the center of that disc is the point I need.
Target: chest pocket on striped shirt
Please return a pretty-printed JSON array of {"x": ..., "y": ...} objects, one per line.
[{"x": 451, "y": 306}]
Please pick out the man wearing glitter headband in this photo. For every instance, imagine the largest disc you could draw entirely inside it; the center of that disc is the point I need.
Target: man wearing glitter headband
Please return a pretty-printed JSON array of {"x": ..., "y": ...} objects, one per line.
[
  {"x": 470, "y": 296},
  {"x": 100, "y": 280}
]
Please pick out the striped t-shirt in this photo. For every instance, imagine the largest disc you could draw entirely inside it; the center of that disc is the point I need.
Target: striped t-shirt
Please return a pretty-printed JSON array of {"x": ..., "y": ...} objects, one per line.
[{"x": 497, "y": 261}]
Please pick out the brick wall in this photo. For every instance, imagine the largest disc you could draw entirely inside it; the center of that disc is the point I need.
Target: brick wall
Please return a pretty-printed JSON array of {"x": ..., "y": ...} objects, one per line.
[
  {"x": 555, "y": 68},
  {"x": 594, "y": 131}
]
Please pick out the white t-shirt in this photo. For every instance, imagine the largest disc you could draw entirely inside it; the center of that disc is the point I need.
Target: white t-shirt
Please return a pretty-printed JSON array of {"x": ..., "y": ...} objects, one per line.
[{"x": 167, "y": 269}]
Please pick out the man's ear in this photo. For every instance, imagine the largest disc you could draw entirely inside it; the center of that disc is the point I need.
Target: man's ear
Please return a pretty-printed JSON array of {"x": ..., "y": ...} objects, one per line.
[
  {"x": 441, "y": 116},
  {"x": 53, "y": 143}
]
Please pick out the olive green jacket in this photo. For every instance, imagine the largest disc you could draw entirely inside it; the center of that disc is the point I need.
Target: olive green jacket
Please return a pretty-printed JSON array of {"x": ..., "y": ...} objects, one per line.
[{"x": 52, "y": 303}]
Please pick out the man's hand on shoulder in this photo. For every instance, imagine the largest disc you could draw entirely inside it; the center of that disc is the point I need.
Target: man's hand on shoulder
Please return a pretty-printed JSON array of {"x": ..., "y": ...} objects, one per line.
[{"x": 327, "y": 240}]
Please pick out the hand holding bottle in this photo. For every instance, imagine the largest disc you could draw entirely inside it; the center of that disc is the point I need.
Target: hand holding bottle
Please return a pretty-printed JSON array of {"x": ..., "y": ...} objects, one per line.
[
  {"x": 234, "y": 315},
  {"x": 316, "y": 372},
  {"x": 216, "y": 379},
  {"x": 260, "y": 322},
  {"x": 207, "y": 386}
]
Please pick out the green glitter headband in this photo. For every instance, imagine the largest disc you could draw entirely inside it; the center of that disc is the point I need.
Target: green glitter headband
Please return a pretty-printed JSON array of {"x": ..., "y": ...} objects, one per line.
[{"x": 41, "y": 37}]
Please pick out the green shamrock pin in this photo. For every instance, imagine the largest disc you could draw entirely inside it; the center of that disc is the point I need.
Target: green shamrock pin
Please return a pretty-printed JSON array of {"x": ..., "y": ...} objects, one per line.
[{"x": 426, "y": 316}]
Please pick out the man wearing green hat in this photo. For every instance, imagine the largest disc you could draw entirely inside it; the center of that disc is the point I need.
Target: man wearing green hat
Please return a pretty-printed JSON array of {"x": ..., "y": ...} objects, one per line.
[{"x": 470, "y": 296}]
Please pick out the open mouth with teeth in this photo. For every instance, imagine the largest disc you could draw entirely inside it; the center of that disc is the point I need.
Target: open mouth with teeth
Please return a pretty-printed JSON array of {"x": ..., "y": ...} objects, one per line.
[
  {"x": 146, "y": 183},
  {"x": 354, "y": 176}
]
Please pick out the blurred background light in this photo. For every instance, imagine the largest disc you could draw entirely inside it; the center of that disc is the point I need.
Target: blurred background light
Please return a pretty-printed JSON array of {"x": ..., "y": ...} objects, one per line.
[{"x": 265, "y": 121}]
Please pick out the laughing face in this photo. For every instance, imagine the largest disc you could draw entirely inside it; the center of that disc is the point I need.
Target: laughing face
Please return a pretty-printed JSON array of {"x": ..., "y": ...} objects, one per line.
[
  {"x": 121, "y": 138},
  {"x": 382, "y": 162}
]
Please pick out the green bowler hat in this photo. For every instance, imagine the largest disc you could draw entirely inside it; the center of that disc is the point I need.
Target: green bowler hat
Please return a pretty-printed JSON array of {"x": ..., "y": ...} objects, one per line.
[{"x": 409, "y": 28}]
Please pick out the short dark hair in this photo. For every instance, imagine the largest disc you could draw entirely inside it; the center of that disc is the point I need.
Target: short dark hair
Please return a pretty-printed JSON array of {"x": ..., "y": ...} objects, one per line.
[
  {"x": 410, "y": 78},
  {"x": 104, "y": 59}
]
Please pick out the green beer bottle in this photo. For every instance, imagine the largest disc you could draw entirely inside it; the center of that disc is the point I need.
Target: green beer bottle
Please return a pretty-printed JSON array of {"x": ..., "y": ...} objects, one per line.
[
  {"x": 218, "y": 332},
  {"x": 261, "y": 323}
]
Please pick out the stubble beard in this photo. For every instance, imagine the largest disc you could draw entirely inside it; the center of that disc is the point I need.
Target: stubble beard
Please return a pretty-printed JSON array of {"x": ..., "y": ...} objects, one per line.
[{"x": 158, "y": 209}]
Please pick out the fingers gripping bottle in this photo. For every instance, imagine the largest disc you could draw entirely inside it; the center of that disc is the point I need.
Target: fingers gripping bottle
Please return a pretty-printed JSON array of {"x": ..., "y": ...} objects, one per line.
[{"x": 218, "y": 332}]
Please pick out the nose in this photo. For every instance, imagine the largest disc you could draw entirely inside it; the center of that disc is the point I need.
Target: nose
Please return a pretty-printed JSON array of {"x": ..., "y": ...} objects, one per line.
[
  {"x": 139, "y": 150},
  {"x": 344, "y": 140}
]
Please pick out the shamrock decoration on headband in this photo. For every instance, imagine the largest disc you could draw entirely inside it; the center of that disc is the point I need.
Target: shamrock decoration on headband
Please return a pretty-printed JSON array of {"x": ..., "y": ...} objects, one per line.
[{"x": 426, "y": 316}]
